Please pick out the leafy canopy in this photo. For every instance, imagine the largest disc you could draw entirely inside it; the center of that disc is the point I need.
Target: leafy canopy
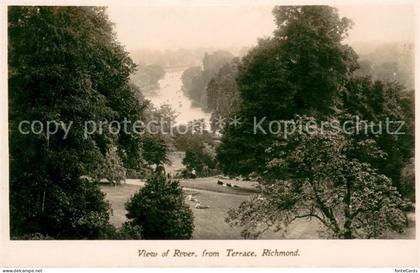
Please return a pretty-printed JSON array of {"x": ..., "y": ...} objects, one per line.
[
  {"x": 160, "y": 211},
  {"x": 66, "y": 65}
]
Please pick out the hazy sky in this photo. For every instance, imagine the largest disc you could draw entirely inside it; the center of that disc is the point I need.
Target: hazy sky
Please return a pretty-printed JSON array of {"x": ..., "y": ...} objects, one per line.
[{"x": 171, "y": 27}]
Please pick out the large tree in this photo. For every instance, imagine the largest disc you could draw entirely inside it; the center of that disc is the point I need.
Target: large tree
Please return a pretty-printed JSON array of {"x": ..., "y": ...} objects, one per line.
[
  {"x": 300, "y": 70},
  {"x": 65, "y": 65},
  {"x": 318, "y": 174},
  {"x": 349, "y": 182}
]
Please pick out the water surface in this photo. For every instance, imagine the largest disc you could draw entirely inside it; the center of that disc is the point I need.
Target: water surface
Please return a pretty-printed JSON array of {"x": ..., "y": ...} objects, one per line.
[{"x": 170, "y": 93}]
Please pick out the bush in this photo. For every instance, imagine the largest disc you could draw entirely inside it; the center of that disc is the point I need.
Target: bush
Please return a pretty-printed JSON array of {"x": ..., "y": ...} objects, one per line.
[
  {"x": 129, "y": 231},
  {"x": 160, "y": 211},
  {"x": 201, "y": 159}
]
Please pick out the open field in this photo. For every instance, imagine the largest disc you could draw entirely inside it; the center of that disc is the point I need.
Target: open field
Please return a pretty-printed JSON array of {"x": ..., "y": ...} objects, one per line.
[{"x": 210, "y": 223}]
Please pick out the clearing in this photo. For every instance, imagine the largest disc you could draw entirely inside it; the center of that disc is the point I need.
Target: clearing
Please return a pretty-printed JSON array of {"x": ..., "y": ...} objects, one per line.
[{"x": 210, "y": 223}]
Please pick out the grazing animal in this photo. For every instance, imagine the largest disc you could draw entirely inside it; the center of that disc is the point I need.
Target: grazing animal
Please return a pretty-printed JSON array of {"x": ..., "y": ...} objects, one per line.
[{"x": 199, "y": 206}]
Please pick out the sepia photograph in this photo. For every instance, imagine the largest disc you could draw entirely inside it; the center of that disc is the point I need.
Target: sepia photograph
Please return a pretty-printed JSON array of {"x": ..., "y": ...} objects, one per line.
[{"x": 210, "y": 121}]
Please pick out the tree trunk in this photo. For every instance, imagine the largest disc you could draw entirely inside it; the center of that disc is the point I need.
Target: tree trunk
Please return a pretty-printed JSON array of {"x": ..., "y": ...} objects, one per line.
[
  {"x": 347, "y": 229},
  {"x": 347, "y": 214}
]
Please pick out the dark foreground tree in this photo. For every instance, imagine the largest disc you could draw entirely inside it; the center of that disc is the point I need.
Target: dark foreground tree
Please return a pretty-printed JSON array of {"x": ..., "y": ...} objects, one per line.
[
  {"x": 66, "y": 66},
  {"x": 317, "y": 174},
  {"x": 160, "y": 211}
]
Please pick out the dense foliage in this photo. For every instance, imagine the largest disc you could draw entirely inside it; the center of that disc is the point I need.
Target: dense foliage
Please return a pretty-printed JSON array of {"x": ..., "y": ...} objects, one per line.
[
  {"x": 200, "y": 159},
  {"x": 147, "y": 77},
  {"x": 196, "y": 79},
  {"x": 155, "y": 150},
  {"x": 376, "y": 102},
  {"x": 160, "y": 211},
  {"x": 199, "y": 148},
  {"x": 300, "y": 70},
  {"x": 317, "y": 174},
  {"x": 351, "y": 183},
  {"x": 65, "y": 65},
  {"x": 222, "y": 95}
]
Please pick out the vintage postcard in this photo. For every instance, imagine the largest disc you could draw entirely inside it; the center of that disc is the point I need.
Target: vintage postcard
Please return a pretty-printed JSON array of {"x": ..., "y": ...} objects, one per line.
[{"x": 209, "y": 133}]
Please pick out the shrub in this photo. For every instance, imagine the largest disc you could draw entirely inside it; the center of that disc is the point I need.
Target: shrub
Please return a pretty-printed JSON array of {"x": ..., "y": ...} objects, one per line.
[
  {"x": 160, "y": 211},
  {"x": 129, "y": 231},
  {"x": 201, "y": 160}
]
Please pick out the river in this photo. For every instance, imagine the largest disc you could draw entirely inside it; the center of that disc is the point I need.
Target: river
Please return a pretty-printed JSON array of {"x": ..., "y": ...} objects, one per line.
[{"x": 170, "y": 93}]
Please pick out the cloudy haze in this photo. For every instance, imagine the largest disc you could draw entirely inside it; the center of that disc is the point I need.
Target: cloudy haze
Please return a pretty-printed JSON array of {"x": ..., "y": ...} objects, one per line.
[{"x": 171, "y": 27}]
